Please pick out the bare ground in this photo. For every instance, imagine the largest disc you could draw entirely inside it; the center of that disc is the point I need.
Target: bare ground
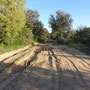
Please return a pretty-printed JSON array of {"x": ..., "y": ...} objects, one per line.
[{"x": 45, "y": 67}]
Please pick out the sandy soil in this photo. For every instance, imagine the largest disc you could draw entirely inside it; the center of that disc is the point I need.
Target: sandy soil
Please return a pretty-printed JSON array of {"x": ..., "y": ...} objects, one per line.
[{"x": 47, "y": 67}]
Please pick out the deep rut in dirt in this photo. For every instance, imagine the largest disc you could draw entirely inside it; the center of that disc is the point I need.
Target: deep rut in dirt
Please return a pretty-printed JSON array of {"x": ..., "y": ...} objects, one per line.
[
  {"x": 11, "y": 70},
  {"x": 48, "y": 67}
]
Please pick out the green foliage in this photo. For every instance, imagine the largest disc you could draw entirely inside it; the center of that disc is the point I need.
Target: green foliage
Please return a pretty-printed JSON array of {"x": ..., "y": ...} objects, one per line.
[
  {"x": 82, "y": 47},
  {"x": 61, "y": 25},
  {"x": 32, "y": 22},
  {"x": 45, "y": 35},
  {"x": 85, "y": 49},
  {"x": 14, "y": 46},
  {"x": 31, "y": 17},
  {"x": 61, "y": 22},
  {"x": 83, "y": 35},
  {"x": 24, "y": 36},
  {"x": 19, "y": 27},
  {"x": 12, "y": 19},
  {"x": 70, "y": 44},
  {"x": 39, "y": 32}
]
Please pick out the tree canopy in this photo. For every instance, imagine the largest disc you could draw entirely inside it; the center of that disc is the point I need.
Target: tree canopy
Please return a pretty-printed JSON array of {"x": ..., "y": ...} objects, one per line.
[
  {"x": 61, "y": 25},
  {"x": 12, "y": 18},
  {"x": 16, "y": 21}
]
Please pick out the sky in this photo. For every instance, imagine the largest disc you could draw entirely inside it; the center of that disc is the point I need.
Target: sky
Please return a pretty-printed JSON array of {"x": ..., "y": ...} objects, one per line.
[{"x": 78, "y": 9}]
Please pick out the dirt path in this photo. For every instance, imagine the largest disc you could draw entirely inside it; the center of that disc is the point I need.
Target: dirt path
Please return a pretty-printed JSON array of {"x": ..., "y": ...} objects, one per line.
[{"x": 48, "y": 67}]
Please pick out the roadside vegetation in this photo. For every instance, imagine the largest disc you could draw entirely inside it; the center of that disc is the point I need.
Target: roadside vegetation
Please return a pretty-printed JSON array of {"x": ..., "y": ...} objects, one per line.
[
  {"x": 19, "y": 26},
  {"x": 62, "y": 31}
]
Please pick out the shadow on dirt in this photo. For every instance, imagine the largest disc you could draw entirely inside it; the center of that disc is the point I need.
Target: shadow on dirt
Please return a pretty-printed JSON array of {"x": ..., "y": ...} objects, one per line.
[
  {"x": 73, "y": 51},
  {"x": 37, "y": 78},
  {"x": 27, "y": 77}
]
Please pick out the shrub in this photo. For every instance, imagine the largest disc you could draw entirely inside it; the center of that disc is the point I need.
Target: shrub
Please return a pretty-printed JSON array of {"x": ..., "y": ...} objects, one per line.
[{"x": 24, "y": 36}]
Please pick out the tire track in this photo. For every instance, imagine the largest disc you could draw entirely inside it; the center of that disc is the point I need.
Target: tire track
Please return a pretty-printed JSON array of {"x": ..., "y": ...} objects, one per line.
[
  {"x": 82, "y": 61},
  {"x": 53, "y": 68},
  {"x": 33, "y": 67},
  {"x": 5, "y": 82},
  {"x": 59, "y": 70},
  {"x": 80, "y": 58},
  {"x": 1, "y": 61},
  {"x": 50, "y": 59},
  {"x": 44, "y": 70},
  {"x": 77, "y": 70},
  {"x": 68, "y": 82},
  {"x": 11, "y": 60}
]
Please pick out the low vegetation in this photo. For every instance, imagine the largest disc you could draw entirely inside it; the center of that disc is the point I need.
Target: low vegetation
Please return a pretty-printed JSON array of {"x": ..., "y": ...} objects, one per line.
[
  {"x": 19, "y": 26},
  {"x": 62, "y": 31}
]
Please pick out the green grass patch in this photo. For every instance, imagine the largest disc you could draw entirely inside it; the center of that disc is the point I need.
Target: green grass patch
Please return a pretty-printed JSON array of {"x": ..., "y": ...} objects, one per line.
[
  {"x": 14, "y": 46},
  {"x": 82, "y": 47},
  {"x": 85, "y": 49}
]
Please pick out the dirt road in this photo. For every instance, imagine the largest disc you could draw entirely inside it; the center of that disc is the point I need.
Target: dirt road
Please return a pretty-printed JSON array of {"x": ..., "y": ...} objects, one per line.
[{"x": 46, "y": 67}]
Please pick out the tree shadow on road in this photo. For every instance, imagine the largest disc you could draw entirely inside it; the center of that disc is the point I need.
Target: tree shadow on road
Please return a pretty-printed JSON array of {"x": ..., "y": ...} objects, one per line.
[{"x": 37, "y": 78}]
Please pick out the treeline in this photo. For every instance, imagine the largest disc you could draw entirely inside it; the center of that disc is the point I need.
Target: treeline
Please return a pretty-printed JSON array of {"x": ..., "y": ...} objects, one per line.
[
  {"x": 19, "y": 25},
  {"x": 83, "y": 35},
  {"x": 62, "y": 31}
]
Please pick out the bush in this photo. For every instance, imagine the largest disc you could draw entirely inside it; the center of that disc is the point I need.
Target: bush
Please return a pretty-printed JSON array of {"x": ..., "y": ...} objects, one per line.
[
  {"x": 83, "y": 35},
  {"x": 24, "y": 36}
]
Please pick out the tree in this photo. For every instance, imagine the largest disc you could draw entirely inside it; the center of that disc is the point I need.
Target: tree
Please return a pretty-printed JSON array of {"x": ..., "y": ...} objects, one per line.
[
  {"x": 61, "y": 24},
  {"x": 45, "y": 34},
  {"x": 12, "y": 19},
  {"x": 31, "y": 17},
  {"x": 24, "y": 36},
  {"x": 40, "y": 33},
  {"x": 38, "y": 29},
  {"x": 83, "y": 35}
]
